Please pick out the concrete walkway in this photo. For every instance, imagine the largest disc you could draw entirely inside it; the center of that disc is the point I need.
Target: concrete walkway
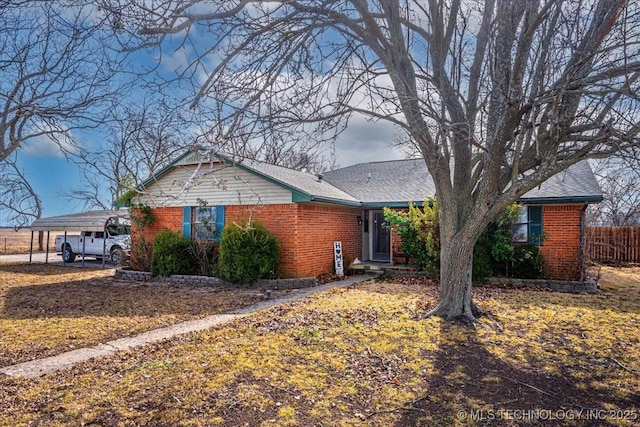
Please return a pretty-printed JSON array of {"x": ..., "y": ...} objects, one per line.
[{"x": 47, "y": 365}]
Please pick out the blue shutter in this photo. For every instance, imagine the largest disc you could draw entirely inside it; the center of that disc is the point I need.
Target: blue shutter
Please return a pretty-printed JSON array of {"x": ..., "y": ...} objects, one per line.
[
  {"x": 186, "y": 221},
  {"x": 535, "y": 225},
  {"x": 219, "y": 222}
]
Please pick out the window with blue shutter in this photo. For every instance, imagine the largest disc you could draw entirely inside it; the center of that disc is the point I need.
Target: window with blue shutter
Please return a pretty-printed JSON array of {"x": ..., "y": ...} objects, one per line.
[
  {"x": 186, "y": 221},
  {"x": 528, "y": 226},
  {"x": 207, "y": 222},
  {"x": 219, "y": 222},
  {"x": 535, "y": 225}
]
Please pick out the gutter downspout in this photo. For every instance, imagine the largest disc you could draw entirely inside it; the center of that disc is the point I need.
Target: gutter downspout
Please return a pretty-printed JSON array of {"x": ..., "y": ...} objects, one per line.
[{"x": 583, "y": 246}]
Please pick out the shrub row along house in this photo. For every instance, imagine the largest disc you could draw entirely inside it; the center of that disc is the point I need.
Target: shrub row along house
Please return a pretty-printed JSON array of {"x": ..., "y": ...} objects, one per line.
[{"x": 307, "y": 213}]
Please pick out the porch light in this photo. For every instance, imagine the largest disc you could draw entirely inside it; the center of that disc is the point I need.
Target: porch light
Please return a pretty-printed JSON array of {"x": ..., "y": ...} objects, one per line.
[{"x": 359, "y": 218}]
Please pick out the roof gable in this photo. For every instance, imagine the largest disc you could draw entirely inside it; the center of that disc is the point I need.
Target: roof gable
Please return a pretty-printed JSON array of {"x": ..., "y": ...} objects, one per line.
[
  {"x": 387, "y": 183},
  {"x": 302, "y": 186}
]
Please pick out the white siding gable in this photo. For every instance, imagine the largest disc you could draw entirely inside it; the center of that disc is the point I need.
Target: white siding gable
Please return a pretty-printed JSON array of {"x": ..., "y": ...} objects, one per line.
[{"x": 215, "y": 183}]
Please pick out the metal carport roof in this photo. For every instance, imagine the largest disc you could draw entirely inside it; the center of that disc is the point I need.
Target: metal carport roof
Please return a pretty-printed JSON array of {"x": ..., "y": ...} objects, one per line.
[{"x": 83, "y": 221}]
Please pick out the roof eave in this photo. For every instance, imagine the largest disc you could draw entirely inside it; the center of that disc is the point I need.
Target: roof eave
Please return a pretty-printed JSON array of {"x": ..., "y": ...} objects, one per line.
[
  {"x": 351, "y": 203},
  {"x": 556, "y": 200},
  {"x": 380, "y": 205}
]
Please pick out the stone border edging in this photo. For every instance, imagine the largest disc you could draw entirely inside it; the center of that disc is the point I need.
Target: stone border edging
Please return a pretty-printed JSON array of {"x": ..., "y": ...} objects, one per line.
[{"x": 276, "y": 284}]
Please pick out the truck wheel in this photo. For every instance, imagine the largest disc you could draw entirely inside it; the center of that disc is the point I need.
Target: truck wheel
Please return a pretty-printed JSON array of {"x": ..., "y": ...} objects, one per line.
[
  {"x": 117, "y": 256},
  {"x": 67, "y": 254}
]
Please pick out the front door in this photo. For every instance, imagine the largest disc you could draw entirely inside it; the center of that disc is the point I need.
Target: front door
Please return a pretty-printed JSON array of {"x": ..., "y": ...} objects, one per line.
[{"x": 381, "y": 238}]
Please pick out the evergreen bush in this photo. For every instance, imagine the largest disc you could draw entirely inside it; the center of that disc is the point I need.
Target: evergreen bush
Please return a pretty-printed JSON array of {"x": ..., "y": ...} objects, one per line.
[
  {"x": 248, "y": 252},
  {"x": 172, "y": 254}
]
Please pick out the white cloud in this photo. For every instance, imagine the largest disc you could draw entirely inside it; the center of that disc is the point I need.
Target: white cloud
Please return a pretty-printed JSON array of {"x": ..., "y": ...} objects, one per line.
[
  {"x": 366, "y": 141},
  {"x": 54, "y": 144}
]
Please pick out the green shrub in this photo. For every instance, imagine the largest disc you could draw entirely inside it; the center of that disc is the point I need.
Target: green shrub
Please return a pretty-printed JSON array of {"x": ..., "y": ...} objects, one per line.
[
  {"x": 482, "y": 262},
  {"x": 248, "y": 252},
  {"x": 527, "y": 262},
  {"x": 172, "y": 254},
  {"x": 420, "y": 233}
]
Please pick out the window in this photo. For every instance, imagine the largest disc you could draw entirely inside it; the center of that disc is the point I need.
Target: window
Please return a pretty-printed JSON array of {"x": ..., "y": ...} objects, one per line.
[
  {"x": 528, "y": 226},
  {"x": 203, "y": 222}
]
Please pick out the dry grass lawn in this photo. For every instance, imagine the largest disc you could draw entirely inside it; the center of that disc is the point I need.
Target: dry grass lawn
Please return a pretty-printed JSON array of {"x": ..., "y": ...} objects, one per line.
[
  {"x": 47, "y": 309},
  {"x": 366, "y": 357}
]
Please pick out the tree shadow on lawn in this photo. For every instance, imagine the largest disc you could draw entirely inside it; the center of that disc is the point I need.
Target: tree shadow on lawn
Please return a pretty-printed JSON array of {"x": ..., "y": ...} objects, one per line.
[
  {"x": 467, "y": 377},
  {"x": 105, "y": 296}
]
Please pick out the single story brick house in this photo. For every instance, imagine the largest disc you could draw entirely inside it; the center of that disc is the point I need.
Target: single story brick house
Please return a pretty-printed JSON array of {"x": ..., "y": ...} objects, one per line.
[{"x": 307, "y": 213}]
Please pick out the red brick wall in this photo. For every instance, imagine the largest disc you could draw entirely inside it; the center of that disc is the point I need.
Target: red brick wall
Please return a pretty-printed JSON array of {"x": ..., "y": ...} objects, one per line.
[
  {"x": 318, "y": 227},
  {"x": 561, "y": 247},
  {"x": 281, "y": 221},
  {"x": 306, "y": 233},
  {"x": 170, "y": 218}
]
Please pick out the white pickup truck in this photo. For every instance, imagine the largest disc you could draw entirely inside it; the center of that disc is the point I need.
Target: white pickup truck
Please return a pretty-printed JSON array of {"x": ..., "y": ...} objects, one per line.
[{"x": 116, "y": 246}]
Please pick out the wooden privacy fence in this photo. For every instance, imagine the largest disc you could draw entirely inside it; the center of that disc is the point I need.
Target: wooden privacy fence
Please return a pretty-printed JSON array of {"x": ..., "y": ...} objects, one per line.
[{"x": 613, "y": 244}]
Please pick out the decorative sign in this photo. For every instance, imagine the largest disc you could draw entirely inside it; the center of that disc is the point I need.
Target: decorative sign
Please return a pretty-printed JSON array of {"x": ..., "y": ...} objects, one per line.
[{"x": 337, "y": 255}]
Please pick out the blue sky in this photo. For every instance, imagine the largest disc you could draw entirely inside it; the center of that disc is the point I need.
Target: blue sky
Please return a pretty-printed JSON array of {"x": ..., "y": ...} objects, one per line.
[{"x": 51, "y": 174}]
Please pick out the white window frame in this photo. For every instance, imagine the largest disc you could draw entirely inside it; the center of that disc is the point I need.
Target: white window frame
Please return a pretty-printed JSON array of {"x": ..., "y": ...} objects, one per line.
[
  {"x": 203, "y": 223},
  {"x": 520, "y": 228}
]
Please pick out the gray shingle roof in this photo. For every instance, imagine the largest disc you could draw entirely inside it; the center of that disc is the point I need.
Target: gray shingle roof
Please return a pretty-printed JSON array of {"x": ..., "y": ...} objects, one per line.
[
  {"x": 576, "y": 182},
  {"x": 409, "y": 180},
  {"x": 401, "y": 181},
  {"x": 391, "y": 181}
]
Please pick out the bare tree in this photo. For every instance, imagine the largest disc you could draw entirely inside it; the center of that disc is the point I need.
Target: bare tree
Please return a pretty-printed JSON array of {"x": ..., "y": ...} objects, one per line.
[
  {"x": 314, "y": 156},
  {"x": 619, "y": 178},
  {"x": 18, "y": 199},
  {"x": 140, "y": 140},
  {"x": 55, "y": 70},
  {"x": 498, "y": 95}
]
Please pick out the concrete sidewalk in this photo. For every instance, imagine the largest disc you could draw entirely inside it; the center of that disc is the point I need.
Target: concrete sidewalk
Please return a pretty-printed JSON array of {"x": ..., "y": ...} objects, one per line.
[{"x": 47, "y": 365}]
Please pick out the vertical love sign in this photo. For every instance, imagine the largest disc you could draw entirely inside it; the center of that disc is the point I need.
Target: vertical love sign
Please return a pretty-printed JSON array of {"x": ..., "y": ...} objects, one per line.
[{"x": 337, "y": 255}]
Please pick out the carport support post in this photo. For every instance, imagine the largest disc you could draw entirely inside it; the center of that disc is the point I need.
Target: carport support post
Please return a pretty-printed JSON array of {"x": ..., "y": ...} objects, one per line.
[
  {"x": 31, "y": 248},
  {"x": 104, "y": 247},
  {"x": 84, "y": 241},
  {"x": 65, "y": 243},
  {"x": 46, "y": 256}
]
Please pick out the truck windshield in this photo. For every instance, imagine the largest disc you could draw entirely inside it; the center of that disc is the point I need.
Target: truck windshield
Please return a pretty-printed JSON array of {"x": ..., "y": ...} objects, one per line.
[{"x": 118, "y": 229}]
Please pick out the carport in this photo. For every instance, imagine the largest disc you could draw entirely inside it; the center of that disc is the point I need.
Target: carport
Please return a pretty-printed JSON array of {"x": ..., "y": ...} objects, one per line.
[{"x": 77, "y": 222}]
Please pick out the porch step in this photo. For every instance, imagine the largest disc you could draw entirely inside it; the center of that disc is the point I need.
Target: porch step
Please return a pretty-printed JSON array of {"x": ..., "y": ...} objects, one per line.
[
  {"x": 378, "y": 268},
  {"x": 367, "y": 268}
]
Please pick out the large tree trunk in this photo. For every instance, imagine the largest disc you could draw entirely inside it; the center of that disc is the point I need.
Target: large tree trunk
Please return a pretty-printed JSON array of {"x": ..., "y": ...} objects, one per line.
[
  {"x": 461, "y": 223},
  {"x": 456, "y": 262}
]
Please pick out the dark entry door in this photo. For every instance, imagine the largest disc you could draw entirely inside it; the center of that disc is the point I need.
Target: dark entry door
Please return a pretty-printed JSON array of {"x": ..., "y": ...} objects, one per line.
[{"x": 381, "y": 238}]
